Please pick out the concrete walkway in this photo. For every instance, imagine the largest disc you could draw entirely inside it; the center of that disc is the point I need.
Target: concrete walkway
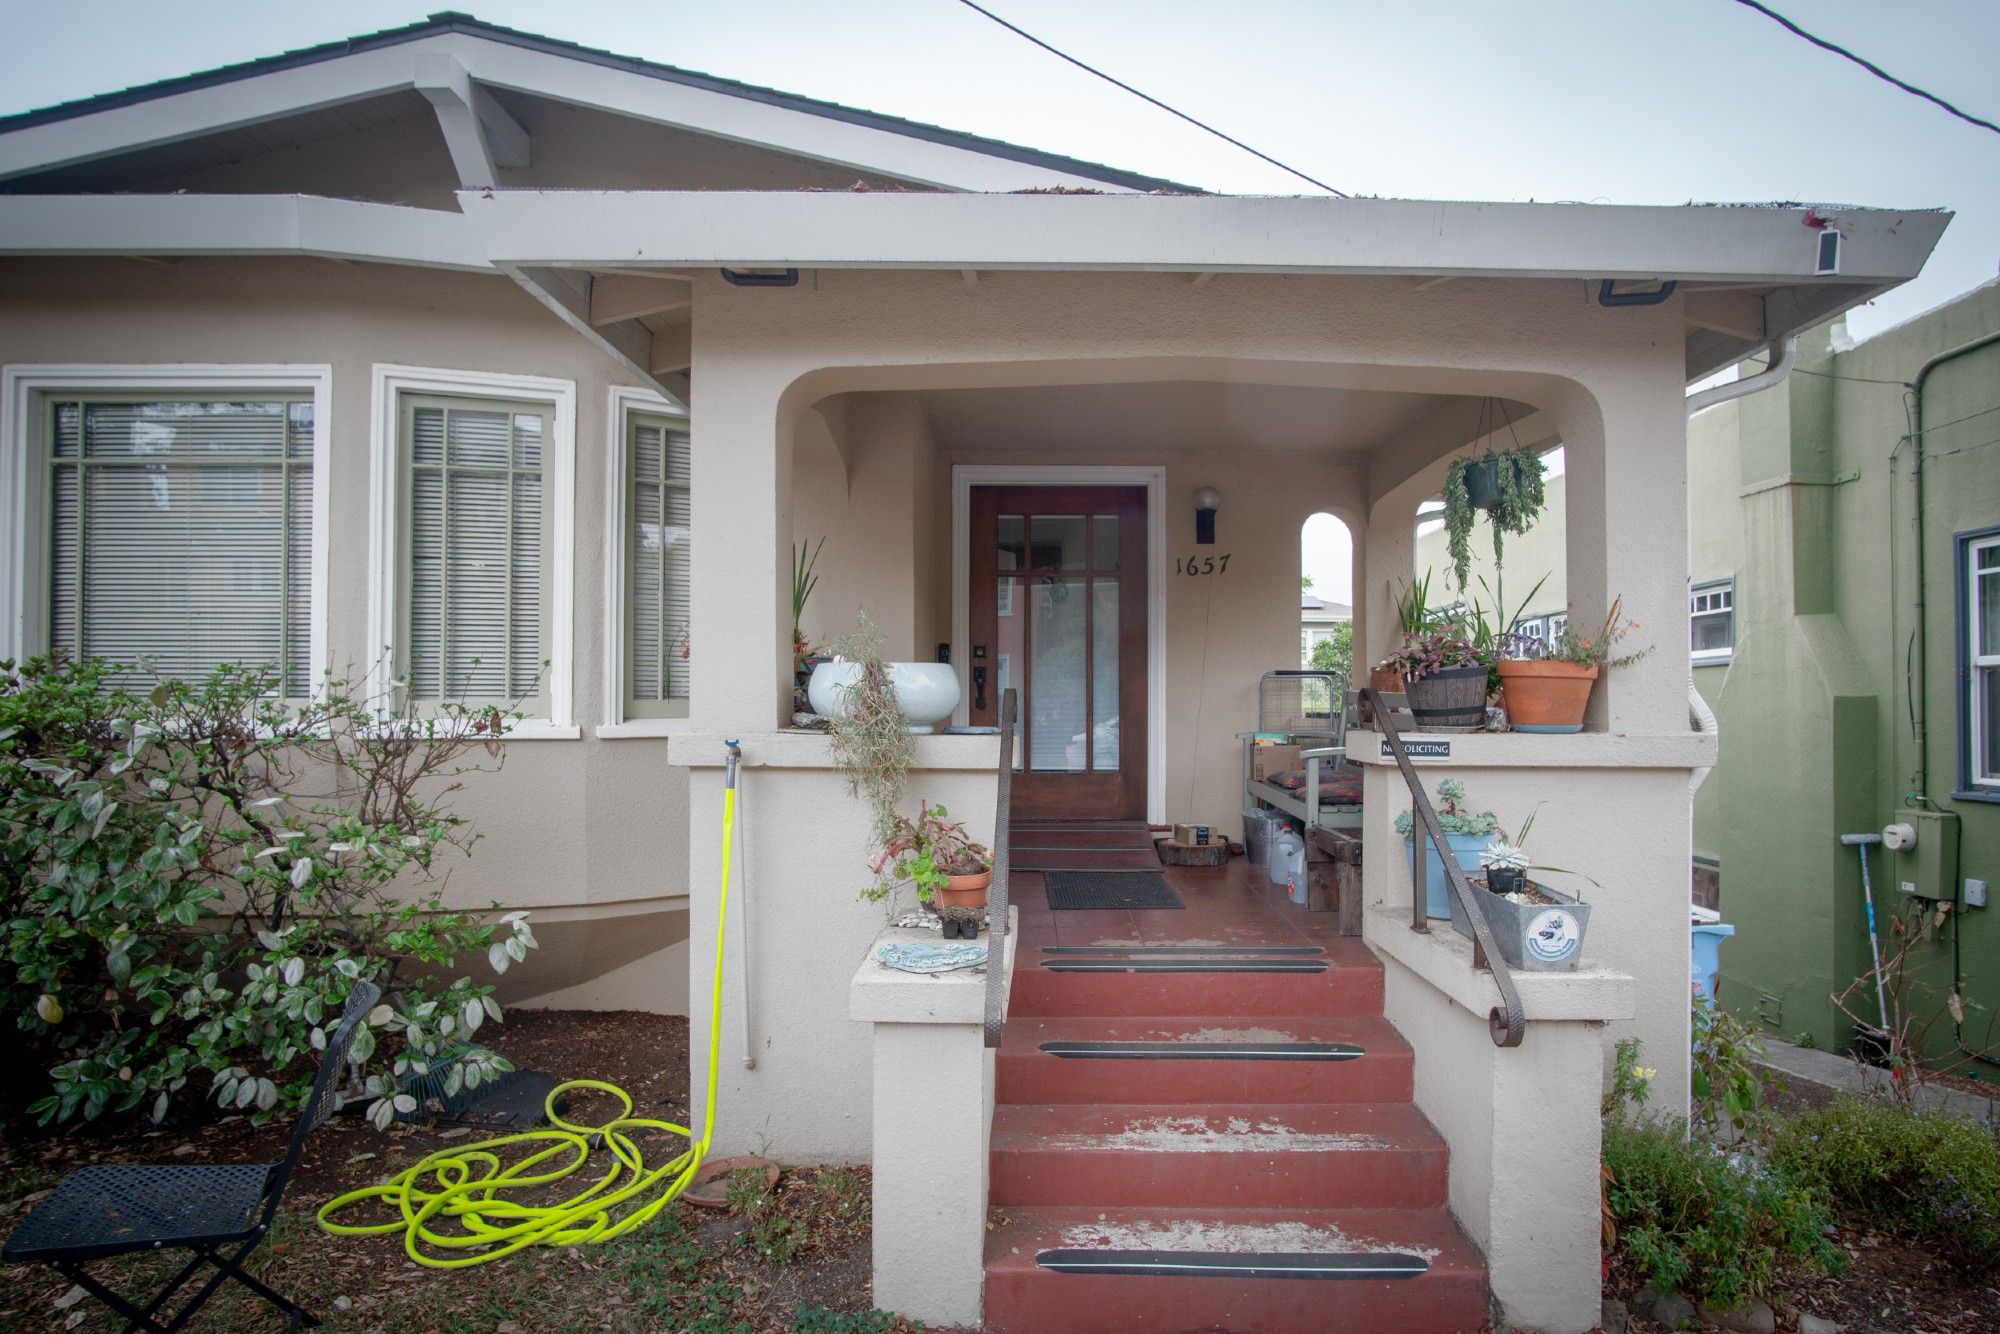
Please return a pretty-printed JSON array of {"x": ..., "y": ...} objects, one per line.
[{"x": 1806, "y": 1069}]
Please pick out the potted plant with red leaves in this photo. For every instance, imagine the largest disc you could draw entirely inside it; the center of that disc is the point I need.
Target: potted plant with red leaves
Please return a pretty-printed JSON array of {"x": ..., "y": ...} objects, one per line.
[
  {"x": 1444, "y": 676},
  {"x": 951, "y": 871}
]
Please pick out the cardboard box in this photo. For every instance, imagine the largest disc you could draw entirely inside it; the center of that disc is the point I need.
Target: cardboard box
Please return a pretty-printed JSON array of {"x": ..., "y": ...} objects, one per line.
[{"x": 1268, "y": 760}]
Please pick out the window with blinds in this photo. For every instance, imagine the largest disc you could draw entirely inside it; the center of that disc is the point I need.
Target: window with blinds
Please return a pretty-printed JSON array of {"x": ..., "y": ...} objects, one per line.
[
  {"x": 659, "y": 642},
  {"x": 474, "y": 549},
  {"x": 180, "y": 534}
]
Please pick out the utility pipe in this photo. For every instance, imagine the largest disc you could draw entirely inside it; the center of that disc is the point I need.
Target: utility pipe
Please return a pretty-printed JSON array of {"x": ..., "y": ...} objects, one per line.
[
  {"x": 1921, "y": 686},
  {"x": 1783, "y": 353}
]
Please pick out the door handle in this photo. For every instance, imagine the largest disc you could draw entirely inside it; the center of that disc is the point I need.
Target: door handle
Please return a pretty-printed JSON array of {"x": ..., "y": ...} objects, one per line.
[{"x": 979, "y": 687}]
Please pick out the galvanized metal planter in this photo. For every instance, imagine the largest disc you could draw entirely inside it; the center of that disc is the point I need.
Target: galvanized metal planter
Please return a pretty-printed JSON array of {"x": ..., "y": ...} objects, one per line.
[{"x": 1533, "y": 937}]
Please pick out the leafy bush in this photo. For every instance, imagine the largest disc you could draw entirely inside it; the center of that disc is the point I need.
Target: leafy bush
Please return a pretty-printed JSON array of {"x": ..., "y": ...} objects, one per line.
[
  {"x": 1700, "y": 1221},
  {"x": 1723, "y": 1082},
  {"x": 191, "y": 880},
  {"x": 1919, "y": 1172}
]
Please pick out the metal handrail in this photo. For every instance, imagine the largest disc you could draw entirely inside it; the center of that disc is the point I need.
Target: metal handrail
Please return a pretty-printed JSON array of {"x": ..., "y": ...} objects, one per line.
[
  {"x": 996, "y": 895},
  {"x": 1507, "y": 1022}
]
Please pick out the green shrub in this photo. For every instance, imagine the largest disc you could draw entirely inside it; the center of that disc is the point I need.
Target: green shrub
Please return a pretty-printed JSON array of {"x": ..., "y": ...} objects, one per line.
[
  {"x": 192, "y": 879},
  {"x": 1922, "y": 1173},
  {"x": 1696, "y": 1220},
  {"x": 1724, "y": 1087}
]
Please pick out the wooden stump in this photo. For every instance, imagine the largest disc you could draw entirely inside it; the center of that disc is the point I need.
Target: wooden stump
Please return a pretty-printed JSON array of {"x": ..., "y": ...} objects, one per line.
[{"x": 1192, "y": 854}]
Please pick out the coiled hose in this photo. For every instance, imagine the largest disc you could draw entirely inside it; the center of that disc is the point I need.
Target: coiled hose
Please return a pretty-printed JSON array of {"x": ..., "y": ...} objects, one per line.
[{"x": 469, "y": 1186}]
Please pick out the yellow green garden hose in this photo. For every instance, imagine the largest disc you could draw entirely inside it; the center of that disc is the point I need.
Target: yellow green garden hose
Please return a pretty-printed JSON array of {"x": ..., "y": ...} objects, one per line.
[{"x": 468, "y": 1186}]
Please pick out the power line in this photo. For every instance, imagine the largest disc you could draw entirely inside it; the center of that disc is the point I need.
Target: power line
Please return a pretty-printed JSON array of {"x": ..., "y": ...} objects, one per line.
[
  {"x": 1146, "y": 97},
  {"x": 1870, "y": 66}
]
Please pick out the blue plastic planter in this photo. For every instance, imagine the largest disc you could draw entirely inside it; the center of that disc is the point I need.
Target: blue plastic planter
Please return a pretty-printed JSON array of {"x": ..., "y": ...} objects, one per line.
[
  {"x": 1437, "y": 894},
  {"x": 1707, "y": 938}
]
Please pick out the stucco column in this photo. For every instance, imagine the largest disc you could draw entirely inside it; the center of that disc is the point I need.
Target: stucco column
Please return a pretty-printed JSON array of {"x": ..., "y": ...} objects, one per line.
[
  {"x": 742, "y": 471},
  {"x": 1384, "y": 556},
  {"x": 933, "y": 1087}
]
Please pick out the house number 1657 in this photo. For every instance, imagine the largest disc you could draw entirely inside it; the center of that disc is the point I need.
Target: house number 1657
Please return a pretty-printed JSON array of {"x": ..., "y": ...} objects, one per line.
[{"x": 1193, "y": 565}]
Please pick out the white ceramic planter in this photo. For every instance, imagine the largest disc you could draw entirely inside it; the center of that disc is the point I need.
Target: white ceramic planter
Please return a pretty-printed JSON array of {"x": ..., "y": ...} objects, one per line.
[{"x": 926, "y": 692}]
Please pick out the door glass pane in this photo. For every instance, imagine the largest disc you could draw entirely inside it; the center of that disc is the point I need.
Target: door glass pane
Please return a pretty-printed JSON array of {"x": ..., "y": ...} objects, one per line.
[
  {"x": 1104, "y": 542},
  {"x": 1009, "y": 624},
  {"x": 1104, "y": 674},
  {"x": 1011, "y": 542},
  {"x": 1059, "y": 704},
  {"x": 1058, "y": 541}
]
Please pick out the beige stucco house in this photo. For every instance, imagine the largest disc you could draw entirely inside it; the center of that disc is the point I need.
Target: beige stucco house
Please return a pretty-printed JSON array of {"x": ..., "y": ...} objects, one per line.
[{"x": 641, "y": 330}]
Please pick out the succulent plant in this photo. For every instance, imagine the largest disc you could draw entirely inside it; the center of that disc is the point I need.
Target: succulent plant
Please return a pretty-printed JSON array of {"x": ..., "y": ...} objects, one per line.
[{"x": 1503, "y": 857}]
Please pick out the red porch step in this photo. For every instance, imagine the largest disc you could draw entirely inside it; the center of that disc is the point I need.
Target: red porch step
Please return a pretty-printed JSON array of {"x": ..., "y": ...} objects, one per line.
[
  {"x": 1024, "y": 1073},
  {"x": 1270, "y": 1155},
  {"x": 1348, "y": 986},
  {"x": 1021, "y": 1295}
]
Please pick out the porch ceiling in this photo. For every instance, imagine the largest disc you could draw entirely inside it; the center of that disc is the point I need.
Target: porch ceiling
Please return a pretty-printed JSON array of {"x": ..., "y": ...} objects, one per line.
[{"x": 1167, "y": 416}]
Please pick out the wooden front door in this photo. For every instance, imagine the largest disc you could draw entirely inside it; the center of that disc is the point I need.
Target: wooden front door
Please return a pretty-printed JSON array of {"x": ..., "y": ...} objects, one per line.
[{"x": 1058, "y": 613}]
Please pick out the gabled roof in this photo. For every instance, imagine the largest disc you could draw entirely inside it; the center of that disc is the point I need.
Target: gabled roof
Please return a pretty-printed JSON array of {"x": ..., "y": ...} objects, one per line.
[{"x": 450, "y": 23}]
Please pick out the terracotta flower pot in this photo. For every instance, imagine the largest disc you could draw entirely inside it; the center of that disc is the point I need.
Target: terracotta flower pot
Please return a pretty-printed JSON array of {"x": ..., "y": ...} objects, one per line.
[
  {"x": 965, "y": 891},
  {"x": 1384, "y": 681},
  {"x": 1544, "y": 695}
]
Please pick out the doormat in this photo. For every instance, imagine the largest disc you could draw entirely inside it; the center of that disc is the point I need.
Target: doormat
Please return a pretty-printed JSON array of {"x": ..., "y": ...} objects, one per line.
[{"x": 1109, "y": 889}]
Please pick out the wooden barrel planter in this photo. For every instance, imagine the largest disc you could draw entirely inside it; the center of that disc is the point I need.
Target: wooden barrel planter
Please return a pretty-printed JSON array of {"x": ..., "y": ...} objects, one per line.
[{"x": 1453, "y": 700}]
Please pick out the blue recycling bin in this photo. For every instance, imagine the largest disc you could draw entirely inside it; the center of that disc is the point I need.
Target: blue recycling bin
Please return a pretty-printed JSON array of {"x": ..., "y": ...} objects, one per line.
[{"x": 1707, "y": 938}]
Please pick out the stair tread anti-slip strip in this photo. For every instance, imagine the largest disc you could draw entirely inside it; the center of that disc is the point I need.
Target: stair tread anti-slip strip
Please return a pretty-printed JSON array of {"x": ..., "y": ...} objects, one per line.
[
  {"x": 1234, "y": 1264},
  {"x": 1203, "y": 1051},
  {"x": 1219, "y": 951},
  {"x": 1184, "y": 965}
]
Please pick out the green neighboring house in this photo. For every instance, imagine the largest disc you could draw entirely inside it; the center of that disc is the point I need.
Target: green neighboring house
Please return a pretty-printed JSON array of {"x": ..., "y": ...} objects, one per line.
[{"x": 1844, "y": 622}]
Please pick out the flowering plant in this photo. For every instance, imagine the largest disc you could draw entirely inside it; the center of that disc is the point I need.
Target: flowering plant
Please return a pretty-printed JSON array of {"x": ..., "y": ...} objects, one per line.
[
  {"x": 1600, "y": 651},
  {"x": 1428, "y": 654}
]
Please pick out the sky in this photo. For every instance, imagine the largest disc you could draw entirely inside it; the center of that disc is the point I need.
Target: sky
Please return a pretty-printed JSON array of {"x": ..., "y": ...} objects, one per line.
[{"x": 1609, "y": 101}]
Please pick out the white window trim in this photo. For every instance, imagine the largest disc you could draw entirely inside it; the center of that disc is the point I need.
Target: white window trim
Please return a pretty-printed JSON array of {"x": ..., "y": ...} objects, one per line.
[
  {"x": 388, "y": 385},
  {"x": 1975, "y": 721},
  {"x": 22, "y": 387},
  {"x": 965, "y": 476},
  {"x": 1713, "y": 657},
  {"x": 622, "y": 402}
]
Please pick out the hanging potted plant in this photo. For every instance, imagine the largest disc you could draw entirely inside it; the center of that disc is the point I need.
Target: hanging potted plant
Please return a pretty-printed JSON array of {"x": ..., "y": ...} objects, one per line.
[
  {"x": 1550, "y": 692},
  {"x": 1444, "y": 676},
  {"x": 1467, "y": 832},
  {"x": 1507, "y": 485},
  {"x": 951, "y": 872}
]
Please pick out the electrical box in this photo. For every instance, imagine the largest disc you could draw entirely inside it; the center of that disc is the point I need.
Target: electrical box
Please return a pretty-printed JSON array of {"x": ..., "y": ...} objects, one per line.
[{"x": 1928, "y": 867}]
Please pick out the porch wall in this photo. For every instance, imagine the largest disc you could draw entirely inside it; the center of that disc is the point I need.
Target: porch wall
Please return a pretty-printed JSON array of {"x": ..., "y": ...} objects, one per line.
[{"x": 588, "y": 834}]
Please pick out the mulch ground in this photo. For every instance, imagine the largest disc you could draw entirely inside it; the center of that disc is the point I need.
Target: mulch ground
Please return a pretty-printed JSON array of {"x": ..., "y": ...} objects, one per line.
[
  {"x": 1890, "y": 1284},
  {"x": 689, "y": 1269}
]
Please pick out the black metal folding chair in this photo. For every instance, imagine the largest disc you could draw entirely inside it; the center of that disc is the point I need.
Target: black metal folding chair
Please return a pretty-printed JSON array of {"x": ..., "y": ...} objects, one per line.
[{"x": 217, "y": 1212}]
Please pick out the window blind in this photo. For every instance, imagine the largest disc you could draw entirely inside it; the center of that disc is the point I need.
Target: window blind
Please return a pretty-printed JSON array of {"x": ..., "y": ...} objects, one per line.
[
  {"x": 180, "y": 535},
  {"x": 658, "y": 550},
  {"x": 473, "y": 614}
]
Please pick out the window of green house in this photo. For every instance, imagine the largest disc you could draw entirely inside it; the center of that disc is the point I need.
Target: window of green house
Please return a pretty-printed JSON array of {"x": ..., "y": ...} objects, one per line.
[
  {"x": 1979, "y": 621},
  {"x": 659, "y": 642},
  {"x": 474, "y": 614},
  {"x": 1712, "y": 622},
  {"x": 178, "y": 533}
]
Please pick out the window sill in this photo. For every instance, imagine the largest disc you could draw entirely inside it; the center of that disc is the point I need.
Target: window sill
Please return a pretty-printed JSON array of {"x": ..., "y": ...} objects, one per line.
[
  {"x": 633, "y": 729},
  {"x": 1986, "y": 794},
  {"x": 1718, "y": 660},
  {"x": 541, "y": 729}
]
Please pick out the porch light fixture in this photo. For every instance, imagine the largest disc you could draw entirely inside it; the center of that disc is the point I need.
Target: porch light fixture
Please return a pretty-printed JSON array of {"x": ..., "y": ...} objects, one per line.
[{"x": 1206, "y": 502}]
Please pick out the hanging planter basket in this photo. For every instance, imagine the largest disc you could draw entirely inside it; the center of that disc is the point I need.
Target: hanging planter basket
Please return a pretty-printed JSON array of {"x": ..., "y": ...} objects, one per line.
[
  {"x": 1482, "y": 483},
  {"x": 1453, "y": 700}
]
